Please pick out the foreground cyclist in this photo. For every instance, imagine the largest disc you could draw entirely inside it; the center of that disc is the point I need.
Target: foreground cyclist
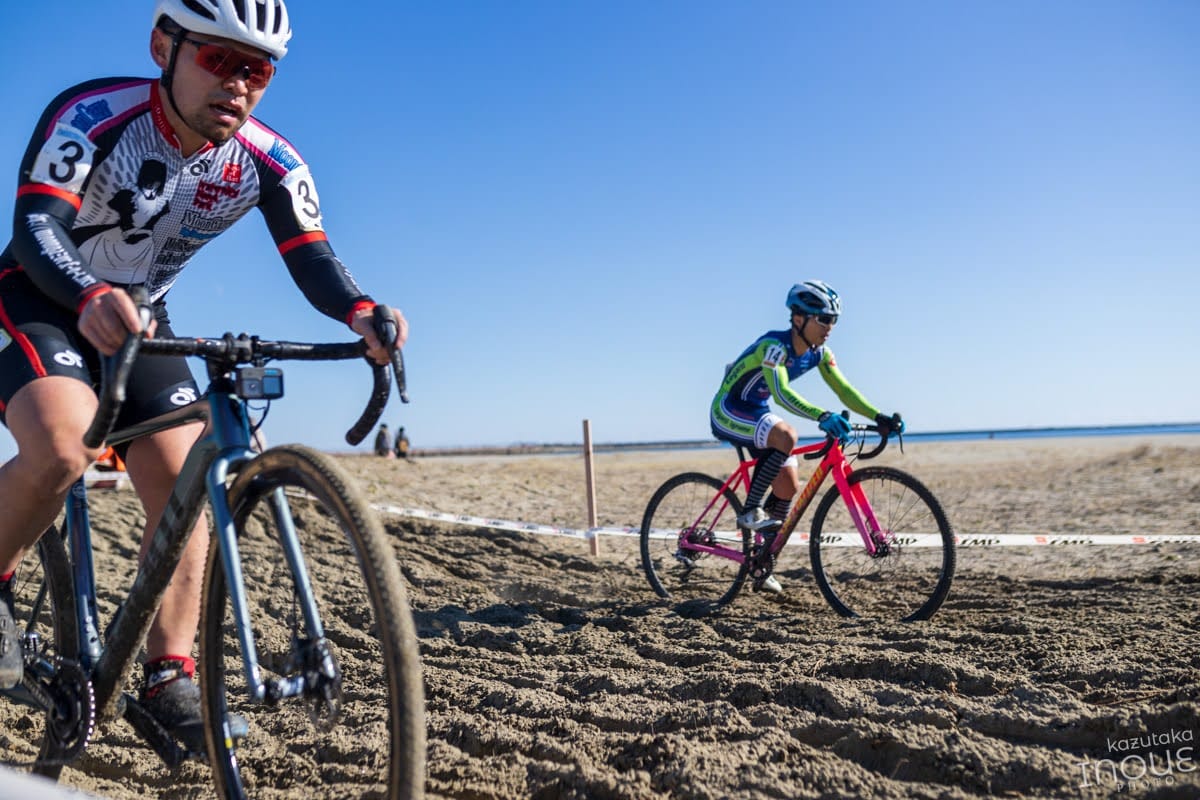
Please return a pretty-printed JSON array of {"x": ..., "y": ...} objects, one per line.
[
  {"x": 741, "y": 411},
  {"x": 122, "y": 182}
]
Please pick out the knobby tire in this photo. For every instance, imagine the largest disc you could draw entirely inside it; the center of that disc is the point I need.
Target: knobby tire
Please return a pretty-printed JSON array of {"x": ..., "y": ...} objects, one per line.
[
  {"x": 911, "y": 582},
  {"x": 676, "y": 508}
]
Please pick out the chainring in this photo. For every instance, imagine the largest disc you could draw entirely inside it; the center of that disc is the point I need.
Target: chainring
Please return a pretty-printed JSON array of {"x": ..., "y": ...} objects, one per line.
[
  {"x": 70, "y": 702},
  {"x": 762, "y": 564}
]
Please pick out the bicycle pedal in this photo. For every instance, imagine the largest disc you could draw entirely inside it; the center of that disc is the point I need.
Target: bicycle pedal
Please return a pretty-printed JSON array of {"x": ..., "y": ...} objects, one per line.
[
  {"x": 155, "y": 735},
  {"x": 761, "y": 526}
]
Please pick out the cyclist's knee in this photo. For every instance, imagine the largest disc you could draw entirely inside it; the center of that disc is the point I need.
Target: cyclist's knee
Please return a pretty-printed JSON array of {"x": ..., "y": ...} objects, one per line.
[
  {"x": 782, "y": 437},
  {"x": 52, "y": 470},
  {"x": 787, "y": 484},
  {"x": 158, "y": 459},
  {"x": 48, "y": 418}
]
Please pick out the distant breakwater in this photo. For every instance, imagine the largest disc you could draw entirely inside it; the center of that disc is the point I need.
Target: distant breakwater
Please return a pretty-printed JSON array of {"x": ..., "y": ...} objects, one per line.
[{"x": 561, "y": 449}]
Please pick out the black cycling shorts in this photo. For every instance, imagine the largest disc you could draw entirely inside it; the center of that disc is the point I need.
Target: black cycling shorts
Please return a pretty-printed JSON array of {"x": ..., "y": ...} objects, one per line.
[{"x": 40, "y": 338}]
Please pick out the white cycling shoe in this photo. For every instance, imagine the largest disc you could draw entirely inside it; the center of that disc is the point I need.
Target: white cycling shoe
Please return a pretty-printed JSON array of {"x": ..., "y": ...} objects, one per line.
[
  {"x": 769, "y": 584},
  {"x": 756, "y": 519}
]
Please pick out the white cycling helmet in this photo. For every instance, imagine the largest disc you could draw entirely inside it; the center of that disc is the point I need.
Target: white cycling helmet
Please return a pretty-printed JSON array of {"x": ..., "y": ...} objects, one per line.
[{"x": 262, "y": 24}]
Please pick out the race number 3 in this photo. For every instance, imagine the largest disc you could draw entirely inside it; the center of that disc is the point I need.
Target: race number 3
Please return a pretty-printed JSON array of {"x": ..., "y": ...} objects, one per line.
[
  {"x": 64, "y": 160},
  {"x": 305, "y": 203}
]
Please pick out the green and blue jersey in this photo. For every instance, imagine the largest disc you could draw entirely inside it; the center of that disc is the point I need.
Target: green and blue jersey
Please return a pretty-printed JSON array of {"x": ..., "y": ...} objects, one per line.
[{"x": 764, "y": 372}]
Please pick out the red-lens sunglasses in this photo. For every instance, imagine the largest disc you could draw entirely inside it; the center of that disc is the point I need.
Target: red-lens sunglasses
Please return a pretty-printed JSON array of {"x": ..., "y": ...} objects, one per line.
[{"x": 226, "y": 63}]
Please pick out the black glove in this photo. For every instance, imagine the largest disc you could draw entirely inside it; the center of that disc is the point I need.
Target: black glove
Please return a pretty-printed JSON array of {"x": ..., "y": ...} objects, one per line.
[{"x": 889, "y": 426}]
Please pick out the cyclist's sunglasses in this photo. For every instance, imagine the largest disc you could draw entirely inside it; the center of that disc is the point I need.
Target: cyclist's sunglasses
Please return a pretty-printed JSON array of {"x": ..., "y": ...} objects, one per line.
[
  {"x": 225, "y": 63},
  {"x": 828, "y": 320}
]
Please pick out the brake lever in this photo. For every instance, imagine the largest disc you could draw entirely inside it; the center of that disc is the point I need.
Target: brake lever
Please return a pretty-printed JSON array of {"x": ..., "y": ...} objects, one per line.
[
  {"x": 879, "y": 448},
  {"x": 388, "y": 330},
  {"x": 896, "y": 430}
]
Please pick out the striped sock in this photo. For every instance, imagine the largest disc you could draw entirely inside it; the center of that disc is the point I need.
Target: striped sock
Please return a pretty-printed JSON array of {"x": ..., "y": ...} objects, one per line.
[
  {"x": 764, "y": 474},
  {"x": 776, "y": 507}
]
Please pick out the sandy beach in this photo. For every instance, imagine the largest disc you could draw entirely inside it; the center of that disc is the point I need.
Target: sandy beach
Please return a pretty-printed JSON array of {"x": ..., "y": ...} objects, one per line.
[{"x": 1066, "y": 671}]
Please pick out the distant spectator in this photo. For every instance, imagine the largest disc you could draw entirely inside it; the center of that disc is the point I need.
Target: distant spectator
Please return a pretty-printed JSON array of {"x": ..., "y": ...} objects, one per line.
[
  {"x": 383, "y": 442},
  {"x": 401, "y": 443}
]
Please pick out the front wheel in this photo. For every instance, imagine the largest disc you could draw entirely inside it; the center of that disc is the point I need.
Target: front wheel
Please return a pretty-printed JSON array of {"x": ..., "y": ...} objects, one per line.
[
  {"x": 358, "y": 727},
  {"x": 909, "y": 575},
  {"x": 689, "y": 512}
]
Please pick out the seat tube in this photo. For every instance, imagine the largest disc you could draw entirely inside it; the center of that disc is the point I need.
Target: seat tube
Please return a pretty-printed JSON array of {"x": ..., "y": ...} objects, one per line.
[{"x": 77, "y": 526}]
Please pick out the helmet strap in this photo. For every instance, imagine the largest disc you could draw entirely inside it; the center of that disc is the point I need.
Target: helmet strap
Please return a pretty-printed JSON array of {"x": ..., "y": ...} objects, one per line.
[
  {"x": 799, "y": 329},
  {"x": 168, "y": 75}
]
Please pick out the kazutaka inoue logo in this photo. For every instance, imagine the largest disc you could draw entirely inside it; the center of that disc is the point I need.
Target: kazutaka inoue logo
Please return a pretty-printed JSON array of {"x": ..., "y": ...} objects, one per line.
[{"x": 1157, "y": 759}]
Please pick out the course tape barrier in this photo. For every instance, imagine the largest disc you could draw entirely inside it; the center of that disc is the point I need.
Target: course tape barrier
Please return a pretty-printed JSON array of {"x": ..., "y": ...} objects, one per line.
[
  {"x": 100, "y": 479},
  {"x": 800, "y": 538}
]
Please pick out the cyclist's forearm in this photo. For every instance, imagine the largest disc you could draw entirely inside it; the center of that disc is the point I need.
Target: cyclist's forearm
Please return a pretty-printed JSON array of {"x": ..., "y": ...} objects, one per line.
[
  {"x": 43, "y": 247},
  {"x": 854, "y": 399},
  {"x": 324, "y": 280}
]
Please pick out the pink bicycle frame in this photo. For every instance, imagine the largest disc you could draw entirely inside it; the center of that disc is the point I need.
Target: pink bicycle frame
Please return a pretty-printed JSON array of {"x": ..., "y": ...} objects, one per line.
[{"x": 835, "y": 462}]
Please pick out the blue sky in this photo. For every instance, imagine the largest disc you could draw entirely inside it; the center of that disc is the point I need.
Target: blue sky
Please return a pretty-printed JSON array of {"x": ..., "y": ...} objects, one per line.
[{"x": 587, "y": 208}]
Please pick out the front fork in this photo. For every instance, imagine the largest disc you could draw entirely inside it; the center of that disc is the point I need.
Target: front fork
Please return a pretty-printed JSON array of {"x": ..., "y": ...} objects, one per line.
[
  {"x": 860, "y": 510},
  {"x": 226, "y": 532}
]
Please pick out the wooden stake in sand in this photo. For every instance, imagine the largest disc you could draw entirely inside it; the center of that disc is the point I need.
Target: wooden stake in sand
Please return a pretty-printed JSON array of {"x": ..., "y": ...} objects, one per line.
[{"x": 590, "y": 477}]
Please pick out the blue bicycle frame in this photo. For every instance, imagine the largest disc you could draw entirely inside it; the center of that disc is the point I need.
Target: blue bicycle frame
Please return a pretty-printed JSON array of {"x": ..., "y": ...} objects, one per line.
[{"x": 218, "y": 454}]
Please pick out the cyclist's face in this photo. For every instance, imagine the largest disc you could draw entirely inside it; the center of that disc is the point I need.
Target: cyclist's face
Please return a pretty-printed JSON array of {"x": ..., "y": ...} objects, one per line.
[
  {"x": 213, "y": 107},
  {"x": 813, "y": 330}
]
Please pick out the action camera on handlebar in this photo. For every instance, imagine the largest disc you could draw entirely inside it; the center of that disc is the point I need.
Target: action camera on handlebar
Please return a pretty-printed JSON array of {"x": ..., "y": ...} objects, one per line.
[{"x": 259, "y": 383}]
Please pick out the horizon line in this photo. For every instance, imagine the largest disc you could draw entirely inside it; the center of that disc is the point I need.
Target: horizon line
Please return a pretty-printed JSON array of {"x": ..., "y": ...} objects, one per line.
[{"x": 517, "y": 448}]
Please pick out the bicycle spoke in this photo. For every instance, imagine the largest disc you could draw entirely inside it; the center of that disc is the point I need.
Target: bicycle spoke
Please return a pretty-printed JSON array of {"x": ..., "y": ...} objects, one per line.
[
  {"x": 678, "y": 527},
  {"x": 909, "y": 575}
]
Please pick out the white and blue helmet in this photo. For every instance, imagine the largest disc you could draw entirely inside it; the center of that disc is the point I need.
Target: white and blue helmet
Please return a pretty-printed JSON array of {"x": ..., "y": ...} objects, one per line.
[{"x": 814, "y": 297}]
